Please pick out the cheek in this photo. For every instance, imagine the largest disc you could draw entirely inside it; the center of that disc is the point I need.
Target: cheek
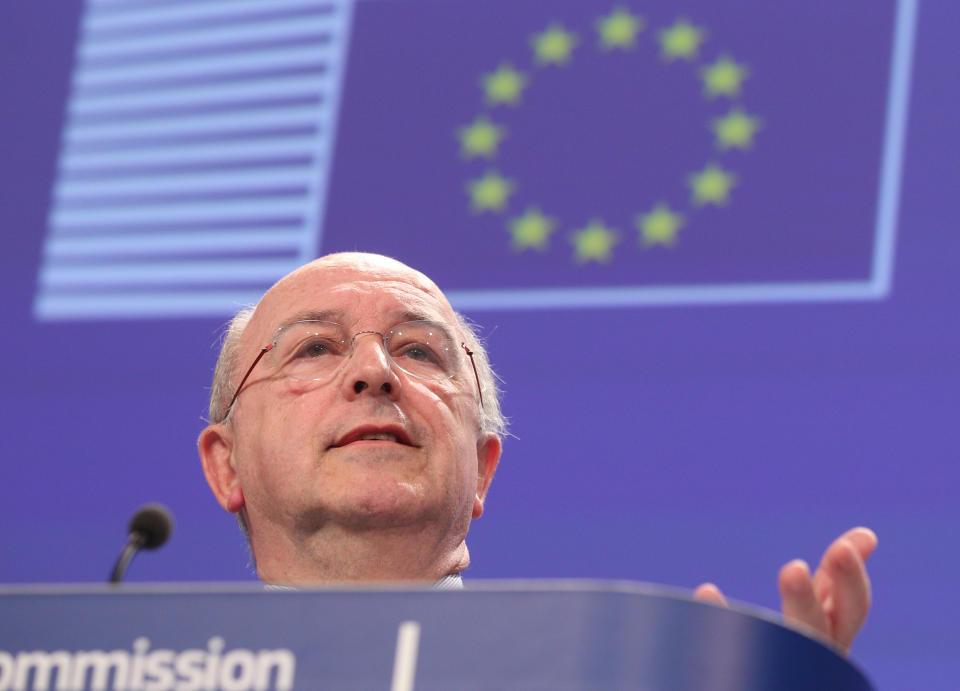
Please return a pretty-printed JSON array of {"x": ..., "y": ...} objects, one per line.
[
  {"x": 451, "y": 401},
  {"x": 273, "y": 448},
  {"x": 462, "y": 407},
  {"x": 457, "y": 425},
  {"x": 289, "y": 388}
]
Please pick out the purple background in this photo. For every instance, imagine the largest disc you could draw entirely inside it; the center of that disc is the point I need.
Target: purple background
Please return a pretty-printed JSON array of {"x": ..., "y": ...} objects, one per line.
[{"x": 671, "y": 445}]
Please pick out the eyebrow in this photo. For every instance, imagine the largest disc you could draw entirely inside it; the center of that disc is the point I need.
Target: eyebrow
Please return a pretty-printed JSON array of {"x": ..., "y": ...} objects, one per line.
[
  {"x": 313, "y": 315},
  {"x": 448, "y": 329},
  {"x": 338, "y": 316},
  {"x": 417, "y": 317}
]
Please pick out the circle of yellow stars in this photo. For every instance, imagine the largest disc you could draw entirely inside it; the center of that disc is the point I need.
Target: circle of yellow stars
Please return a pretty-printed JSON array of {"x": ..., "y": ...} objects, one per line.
[{"x": 722, "y": 78}]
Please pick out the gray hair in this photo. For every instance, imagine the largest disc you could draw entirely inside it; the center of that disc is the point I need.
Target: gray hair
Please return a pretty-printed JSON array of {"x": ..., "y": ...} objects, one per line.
[
  {"x": 491, "y": 417},
  {"x": 221, "y": 392}
]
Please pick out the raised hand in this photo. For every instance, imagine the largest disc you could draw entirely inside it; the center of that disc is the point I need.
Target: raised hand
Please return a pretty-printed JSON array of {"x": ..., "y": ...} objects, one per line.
[{"x": 833, "y": 602}]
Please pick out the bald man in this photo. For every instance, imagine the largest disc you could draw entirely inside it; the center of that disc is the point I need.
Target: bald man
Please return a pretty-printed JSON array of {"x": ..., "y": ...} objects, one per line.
[{"x": 356, "y": 428}]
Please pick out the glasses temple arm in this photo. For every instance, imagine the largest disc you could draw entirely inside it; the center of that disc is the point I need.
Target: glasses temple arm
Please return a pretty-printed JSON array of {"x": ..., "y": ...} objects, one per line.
[
  {"x": 263, "y": 351},
  {"x": 476, "y": 376}
]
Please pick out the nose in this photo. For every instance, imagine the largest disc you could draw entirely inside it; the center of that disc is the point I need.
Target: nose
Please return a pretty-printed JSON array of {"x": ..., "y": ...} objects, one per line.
[{"x": 370, "y": 370}]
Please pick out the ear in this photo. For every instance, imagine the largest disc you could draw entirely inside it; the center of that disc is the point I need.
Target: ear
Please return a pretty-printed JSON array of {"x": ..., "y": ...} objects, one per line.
[
  {"x": 488, "y": 456},
  {"x": 216, "y": 454}
]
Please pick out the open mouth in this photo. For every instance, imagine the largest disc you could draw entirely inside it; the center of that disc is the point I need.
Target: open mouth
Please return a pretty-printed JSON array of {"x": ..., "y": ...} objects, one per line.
[{"x": 395, "y": 435}]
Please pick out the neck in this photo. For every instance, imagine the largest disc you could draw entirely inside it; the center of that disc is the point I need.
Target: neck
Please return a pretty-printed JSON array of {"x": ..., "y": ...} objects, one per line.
[{"x": 337, "y": 555}]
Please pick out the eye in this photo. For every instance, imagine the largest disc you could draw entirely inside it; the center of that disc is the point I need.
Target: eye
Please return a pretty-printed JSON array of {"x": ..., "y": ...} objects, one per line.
[
  {"x": 420, "y": 353},
  {"x": 316, "y": 347}
]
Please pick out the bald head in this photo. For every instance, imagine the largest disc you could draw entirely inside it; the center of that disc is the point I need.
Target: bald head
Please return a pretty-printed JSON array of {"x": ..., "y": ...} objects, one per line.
[
  {"x": 249, "y": 330},
  {"x": 291, "y": 296}
]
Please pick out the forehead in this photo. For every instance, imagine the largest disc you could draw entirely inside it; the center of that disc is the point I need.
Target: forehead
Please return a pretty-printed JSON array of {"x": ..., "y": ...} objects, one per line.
[{"x": 364, "y": 294}]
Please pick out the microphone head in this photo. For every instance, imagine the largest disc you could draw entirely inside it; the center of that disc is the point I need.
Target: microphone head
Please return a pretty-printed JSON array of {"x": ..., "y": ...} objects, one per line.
[{"x": 154, "y": 522}]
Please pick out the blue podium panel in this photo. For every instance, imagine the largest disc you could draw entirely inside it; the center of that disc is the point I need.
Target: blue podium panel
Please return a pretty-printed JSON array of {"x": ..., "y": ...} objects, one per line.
[{"x": 544, "y": 635}]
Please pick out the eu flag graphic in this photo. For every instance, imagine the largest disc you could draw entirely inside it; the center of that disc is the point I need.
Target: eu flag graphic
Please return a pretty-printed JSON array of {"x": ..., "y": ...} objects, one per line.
[
  {"x": 529, "y": 154},
  {"x": 523, "y": 154}
]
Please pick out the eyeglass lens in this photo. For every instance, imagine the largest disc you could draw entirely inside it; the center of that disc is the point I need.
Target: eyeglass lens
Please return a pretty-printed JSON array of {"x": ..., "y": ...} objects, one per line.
[{"x": 315, "y": 350}]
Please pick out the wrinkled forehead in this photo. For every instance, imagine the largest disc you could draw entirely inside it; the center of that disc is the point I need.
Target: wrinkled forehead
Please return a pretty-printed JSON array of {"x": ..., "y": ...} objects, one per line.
[{"x": 359, "y": 291}]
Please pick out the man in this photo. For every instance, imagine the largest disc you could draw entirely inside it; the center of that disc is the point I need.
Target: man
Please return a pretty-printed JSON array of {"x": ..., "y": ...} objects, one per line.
[{"x": 355, "y": 429}]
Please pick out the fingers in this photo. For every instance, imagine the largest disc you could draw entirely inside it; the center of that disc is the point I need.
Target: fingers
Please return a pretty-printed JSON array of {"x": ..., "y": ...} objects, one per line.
[
  {"x": 847, "y": 598},
  {"x": 833, "y": 602},
  {"x": 801, "y": 606},
  {"x": 708, "y": 592},
  {"x": 863, "y": 539}
]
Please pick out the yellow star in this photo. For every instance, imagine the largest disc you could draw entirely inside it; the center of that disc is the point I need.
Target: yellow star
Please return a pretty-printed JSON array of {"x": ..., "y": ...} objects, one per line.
[
  {"x": 735, "y": 130},
  {"x": 724, "y": 77},
  {"x": 594, "y": 243},
  {"x": 660, "y": 226},
  {"x": 619, "y": 29},
  {"x": 480, "y": 138},
  {"x": 712, "y": 185},
  {"x": 682, "y": 40},
  {"x": 532, "y": 230},
  {"x": 489, "y": 193},
  {"x": 553, "y": 46},
  {"x": 504, "y": 85}
]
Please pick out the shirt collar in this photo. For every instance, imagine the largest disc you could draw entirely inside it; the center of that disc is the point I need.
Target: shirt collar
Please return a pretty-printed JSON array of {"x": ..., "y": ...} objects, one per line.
[{"x": 450, "y": 582}]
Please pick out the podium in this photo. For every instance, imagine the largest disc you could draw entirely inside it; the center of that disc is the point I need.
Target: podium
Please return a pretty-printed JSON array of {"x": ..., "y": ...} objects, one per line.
[{"x": 522, "y": 635}]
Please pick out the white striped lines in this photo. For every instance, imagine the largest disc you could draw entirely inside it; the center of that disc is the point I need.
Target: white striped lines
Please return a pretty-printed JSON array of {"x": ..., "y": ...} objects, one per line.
[
  {"x": 143, "y": 304},
  {"x": 207, "y": 65},
  {"x": 125, "y": 274},
  {"x": 202, "y": 94},
  {"x": 226, "y": 151},
  {"x": 193, "y": 124},
  {"x": 159, "y": 244},
  {"x": 134, "y": 17},
  {"x": 200, "y": 37},
  {"x": 180, "y": 211},
  {"x": 195, "y": 155},
  {"x": 70, "y": 190}
]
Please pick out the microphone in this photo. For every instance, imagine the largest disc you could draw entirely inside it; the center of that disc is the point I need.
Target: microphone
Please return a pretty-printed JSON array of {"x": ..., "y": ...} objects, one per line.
[{"x": 149, "y": 528}]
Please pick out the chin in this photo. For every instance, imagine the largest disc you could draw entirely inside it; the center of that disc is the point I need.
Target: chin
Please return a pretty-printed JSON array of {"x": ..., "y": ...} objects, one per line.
[{"x": 383, "y": 502}]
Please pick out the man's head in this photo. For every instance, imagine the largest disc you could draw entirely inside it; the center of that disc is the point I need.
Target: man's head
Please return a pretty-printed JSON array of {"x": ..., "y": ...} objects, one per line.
[{"x": 369, "y": 471}]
